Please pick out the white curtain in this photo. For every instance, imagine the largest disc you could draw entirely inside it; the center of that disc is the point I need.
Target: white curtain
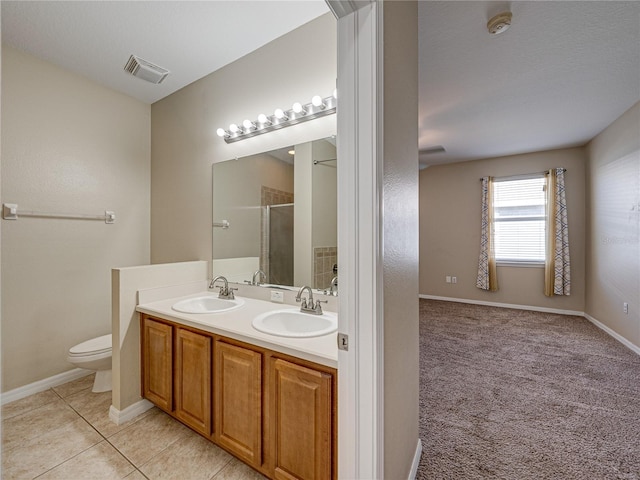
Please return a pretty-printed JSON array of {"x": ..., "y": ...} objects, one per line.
[
  {"x": 557, "y": 275},
  {"x": 487, "y": 271}
]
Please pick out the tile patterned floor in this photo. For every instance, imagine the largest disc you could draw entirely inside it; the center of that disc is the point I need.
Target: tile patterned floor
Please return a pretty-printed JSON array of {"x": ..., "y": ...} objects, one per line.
[{"x": 65, "y": 433}]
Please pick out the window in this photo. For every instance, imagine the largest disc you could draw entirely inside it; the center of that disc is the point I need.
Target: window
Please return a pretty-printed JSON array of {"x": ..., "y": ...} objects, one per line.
[{"x": 519, "y": 220}]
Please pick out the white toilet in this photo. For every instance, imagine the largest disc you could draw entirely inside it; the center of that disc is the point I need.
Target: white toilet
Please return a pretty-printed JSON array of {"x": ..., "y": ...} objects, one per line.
[{"x": 94, "y": 354}]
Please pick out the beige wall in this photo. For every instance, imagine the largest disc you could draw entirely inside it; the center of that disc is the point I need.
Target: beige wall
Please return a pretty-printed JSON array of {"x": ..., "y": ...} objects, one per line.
[
  {"x": 450, "y": 230},
  {"x": 324, "y": 196},
  {"x": 400, "y": 237},
  {"x": 302, "y": 215},
  {"x": 237, "y": 199},
  {"x": 613, "y": 226},
  {"x": 315, "y": 213},
  {"x": 184, "y": 143},
  {"x": 70, "y": 146}
]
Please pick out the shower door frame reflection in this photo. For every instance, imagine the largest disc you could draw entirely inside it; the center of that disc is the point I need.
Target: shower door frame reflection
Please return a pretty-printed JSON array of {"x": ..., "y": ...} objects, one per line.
[{"x": 278, "y": 238}]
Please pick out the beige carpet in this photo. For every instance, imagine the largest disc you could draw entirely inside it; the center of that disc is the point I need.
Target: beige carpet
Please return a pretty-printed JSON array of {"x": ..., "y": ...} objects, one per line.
[{"x": 512, "y": 394}]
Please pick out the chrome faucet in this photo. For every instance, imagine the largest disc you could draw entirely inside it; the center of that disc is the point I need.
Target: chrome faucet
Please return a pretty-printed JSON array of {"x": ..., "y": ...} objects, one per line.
[
  {"x": 334, "y": 285},
  {"x": 307, "y": 305},
  {"x": 258, "y": 273},
  {"x": 226, "y": 293}
]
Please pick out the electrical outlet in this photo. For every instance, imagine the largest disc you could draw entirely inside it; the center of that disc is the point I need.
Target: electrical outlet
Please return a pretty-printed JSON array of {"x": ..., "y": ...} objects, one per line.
[
  {"x": 625, "y": 307},
  {"x": 448, "y": 279},
  {"x": 277, "y": 297},
  {"x": 454, "y": 279}
]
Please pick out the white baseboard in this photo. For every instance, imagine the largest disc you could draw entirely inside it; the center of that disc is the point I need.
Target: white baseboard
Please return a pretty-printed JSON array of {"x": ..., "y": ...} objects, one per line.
[
  {"x": 614, "y": 334},
  {"x": 416, "y": 461},
  {"x": 598, "y": 324},
  {"x": 132, "y": 411},
  {"x": 504, "y": 305},
  {"x": 44, "y": 384}
]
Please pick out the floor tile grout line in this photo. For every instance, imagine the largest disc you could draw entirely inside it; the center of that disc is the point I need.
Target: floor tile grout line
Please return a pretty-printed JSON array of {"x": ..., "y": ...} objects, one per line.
[
  {"x": 141, "y": 473},
  {"x": 224, "y": 467},
  {"x": 104, "y": 438},
  {"x": 79, "y": 453},
  {"x": 31, "y": 408},
  {"x": 220, "y": 470},
  {"x": 161, "y": 451},
  {"x": 175, "y": 441}
]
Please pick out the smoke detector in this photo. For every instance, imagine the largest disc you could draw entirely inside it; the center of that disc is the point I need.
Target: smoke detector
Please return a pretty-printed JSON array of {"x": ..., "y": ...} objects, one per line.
[
  {"x": 147, "y": 71},
  {"x": 500, "y": 23}
]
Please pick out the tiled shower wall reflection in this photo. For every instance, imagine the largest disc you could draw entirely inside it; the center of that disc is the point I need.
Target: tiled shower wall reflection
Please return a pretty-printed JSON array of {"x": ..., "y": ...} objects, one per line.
[{"x": 324, "y": 260}]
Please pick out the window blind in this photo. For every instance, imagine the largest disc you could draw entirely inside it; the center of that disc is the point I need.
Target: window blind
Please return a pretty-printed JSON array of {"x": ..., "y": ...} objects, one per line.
[{"x": 519, "y": 220}]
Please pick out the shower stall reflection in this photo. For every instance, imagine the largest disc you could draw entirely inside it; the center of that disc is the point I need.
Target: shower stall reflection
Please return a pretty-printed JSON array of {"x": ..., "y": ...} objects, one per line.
[{"x": 279, "y": 243}]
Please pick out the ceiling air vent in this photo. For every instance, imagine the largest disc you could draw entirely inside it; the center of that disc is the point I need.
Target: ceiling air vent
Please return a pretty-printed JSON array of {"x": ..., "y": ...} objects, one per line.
[{"x": 145, "y": 70}]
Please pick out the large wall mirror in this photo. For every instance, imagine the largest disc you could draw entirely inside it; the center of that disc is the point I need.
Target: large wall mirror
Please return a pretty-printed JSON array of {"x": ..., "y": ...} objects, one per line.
[{"x": 277, "y": 212}]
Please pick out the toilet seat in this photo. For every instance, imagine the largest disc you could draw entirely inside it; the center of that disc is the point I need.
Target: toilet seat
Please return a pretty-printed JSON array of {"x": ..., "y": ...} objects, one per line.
[
  {"x": 94, "y": 354},
  {"x": 94, "y": 347}
]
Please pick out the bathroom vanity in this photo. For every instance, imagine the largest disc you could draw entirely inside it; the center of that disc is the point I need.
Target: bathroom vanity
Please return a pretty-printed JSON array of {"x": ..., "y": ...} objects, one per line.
[{"x": 270, "y": 401}]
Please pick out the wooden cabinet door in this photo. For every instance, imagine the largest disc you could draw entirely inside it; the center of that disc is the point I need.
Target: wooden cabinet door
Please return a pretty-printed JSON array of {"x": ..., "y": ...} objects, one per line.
[
  {"x": 238, "y": 401},
  {"x": 301, "y": 422},
  {"x": 157, "y": 384},
  {"x": 193, "y": 380}
]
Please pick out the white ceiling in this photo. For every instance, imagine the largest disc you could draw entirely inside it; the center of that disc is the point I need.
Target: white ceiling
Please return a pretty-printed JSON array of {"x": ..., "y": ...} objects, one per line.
[
  {"x": 189, "y": 38},
  {"x": 561, "y": 74}
]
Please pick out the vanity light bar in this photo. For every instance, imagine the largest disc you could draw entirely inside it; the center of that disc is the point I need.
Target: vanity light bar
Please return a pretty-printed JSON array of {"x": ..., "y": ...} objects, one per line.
[{"x": 318, "y": 107}]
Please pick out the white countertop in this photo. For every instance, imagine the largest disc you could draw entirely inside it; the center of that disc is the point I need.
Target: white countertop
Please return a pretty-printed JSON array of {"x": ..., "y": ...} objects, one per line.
[{"x": 236, "y": 324}]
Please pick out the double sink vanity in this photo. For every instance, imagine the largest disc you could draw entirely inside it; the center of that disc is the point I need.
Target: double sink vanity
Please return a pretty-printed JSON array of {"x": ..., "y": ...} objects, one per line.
[
  {"x": 253, "y": 371},
  {"x": 255, "y": 377}
]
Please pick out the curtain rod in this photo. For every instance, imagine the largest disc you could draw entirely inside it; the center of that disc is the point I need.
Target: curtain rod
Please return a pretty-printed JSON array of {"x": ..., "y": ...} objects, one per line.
[{"x": 525, "y": 174}]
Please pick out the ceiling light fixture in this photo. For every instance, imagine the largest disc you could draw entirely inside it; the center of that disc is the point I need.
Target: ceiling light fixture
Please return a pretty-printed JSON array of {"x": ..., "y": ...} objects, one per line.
[
  {"x": 316, "y": 101},
  {"x": 249, "y": 125},
  {"x": 280, "y": 115},
  {"x": 500, "y": 23},
  {"x": 319, "y": 107},
  {"x": 298, "y": 109},
  {"x": 263, "y": 119}
]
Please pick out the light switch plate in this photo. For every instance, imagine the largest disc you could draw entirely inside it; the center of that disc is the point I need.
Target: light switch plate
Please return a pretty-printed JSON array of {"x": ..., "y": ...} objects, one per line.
[{"x": 277, "y": 297}]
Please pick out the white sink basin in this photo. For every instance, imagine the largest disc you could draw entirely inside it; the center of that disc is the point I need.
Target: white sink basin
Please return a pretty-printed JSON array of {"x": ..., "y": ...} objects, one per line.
[
  {"x": 207, "y": 304},
  {"x": 293, "y": 323}
]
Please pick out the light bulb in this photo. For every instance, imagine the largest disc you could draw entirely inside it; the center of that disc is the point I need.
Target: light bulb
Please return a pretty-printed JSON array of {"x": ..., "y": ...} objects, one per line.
[
  {"x": 298, "y": 108},
  {"x": 233, "y": 128},
  {"x": 279, "y": 114},
  {"x": 317, "y": 102},
  {"x": 263, "y": 119},
  {"x": 221, "y": 132},
  {"x": 248, "y": 125}
]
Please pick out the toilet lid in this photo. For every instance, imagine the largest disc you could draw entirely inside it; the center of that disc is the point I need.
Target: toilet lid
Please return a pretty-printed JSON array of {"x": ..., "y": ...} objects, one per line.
[{"x": 95, "y": 345}]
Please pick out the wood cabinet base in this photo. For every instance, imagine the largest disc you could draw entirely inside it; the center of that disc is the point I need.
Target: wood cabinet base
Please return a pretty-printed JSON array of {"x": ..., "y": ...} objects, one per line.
[{"x": 275, "y": 412}]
